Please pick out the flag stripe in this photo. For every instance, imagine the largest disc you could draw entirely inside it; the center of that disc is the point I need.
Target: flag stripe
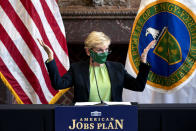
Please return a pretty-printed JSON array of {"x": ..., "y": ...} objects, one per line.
[
  {"x": 34, "y": 49},
  {"x": 33, "y": 13},
  {"x": 51, "y": 20},
  {"x": 57, "y": 32},
  {"x": 28, "y": 27},
  {"x": 22, "y": 67},
  {"x": 18, "y": 75},
  {"x": 24, "y": 50},
  {"x": 58, "y": 50},
  {"x": 20, "y": 60},
  {"x": 56, "y": 13},
  {"x": 13, "y": 82},
  {"x": 60, "y": 55}
]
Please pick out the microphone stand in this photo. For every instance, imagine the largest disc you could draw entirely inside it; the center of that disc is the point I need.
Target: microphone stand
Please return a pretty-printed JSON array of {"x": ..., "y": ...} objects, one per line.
[{"x": 102, "y": 103}]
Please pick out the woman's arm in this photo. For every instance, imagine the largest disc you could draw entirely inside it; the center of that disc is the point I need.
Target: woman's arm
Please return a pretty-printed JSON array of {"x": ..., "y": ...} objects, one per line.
[
  {"x": 47, "y": 50},
  {"x": 145, "y": 52},
  {"x": 57, "y": 81},
  {"x": 138, "y": 83}
]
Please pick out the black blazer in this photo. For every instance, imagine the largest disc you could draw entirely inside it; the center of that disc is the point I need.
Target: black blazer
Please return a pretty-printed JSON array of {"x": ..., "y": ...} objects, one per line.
[{"x": 78, "y": 76}]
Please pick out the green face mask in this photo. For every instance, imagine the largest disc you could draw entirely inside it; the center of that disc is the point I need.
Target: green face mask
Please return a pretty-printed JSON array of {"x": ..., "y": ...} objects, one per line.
[{"x": 98, "y": 57}]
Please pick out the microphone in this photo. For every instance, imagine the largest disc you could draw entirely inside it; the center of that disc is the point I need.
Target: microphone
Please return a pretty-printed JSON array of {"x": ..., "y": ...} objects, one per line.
[{"x": 102, "y": 102}]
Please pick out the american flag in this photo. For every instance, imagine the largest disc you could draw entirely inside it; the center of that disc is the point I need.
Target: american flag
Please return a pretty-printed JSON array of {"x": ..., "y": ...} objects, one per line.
[{"x": 22, "y": 67}]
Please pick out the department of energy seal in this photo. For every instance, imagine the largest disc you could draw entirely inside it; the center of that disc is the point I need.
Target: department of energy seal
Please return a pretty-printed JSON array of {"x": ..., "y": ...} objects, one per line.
[{"x": 173, "y": 25}]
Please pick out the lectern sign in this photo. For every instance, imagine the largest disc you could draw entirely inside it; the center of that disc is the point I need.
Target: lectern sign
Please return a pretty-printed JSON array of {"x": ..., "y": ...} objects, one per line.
[{"x": 118, "y": 118}]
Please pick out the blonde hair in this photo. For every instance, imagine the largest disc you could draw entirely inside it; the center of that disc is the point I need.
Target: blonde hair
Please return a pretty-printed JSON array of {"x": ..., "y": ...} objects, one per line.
[{"x": 95, "y": 39}]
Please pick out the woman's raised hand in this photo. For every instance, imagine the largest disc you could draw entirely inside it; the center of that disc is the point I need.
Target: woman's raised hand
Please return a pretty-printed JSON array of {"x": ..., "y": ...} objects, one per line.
[
  {"x": 145, "y": 52},
  {"x": 47, "y": 50}
]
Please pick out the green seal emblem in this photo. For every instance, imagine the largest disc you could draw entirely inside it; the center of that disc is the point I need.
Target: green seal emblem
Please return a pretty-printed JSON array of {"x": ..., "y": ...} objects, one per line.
[{"x": 173, "y": 25}]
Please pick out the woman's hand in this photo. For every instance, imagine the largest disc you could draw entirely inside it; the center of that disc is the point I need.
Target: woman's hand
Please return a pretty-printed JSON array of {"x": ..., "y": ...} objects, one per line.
[
  {"x": 47, "y": 50},
  {"x": 145, "y": 52}
]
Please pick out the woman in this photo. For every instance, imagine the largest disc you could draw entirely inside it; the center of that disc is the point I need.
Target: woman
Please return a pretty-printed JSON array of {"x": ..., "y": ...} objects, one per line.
[{"x": 96, "y": 76}]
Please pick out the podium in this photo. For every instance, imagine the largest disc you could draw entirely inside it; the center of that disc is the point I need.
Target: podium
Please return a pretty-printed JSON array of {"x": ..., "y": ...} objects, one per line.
[
  {"x": 151, "y": 117},
  {"x": 118, "y": 118}
]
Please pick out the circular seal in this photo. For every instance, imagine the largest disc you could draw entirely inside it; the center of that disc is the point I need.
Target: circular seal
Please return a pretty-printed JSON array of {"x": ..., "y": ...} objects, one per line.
[{"x": 173, "y": 25}]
